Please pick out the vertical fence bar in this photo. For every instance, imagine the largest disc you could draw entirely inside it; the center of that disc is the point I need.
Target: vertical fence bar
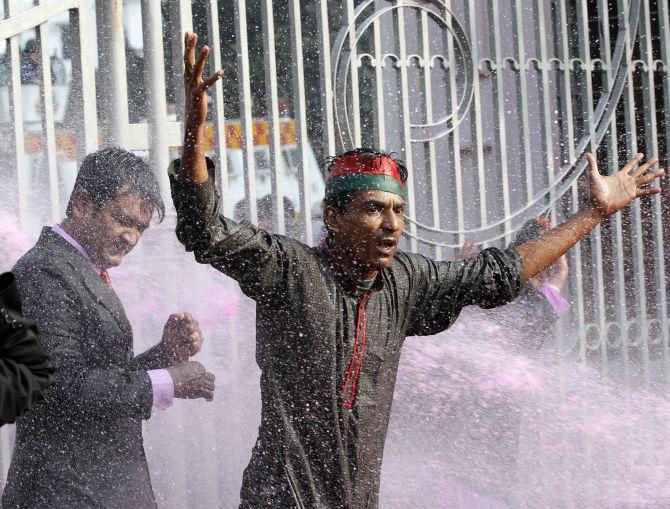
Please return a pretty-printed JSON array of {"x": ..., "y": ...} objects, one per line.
[
  {"x": 154, "y": 76},
  {"x": 587, "y": 114},
  {"x": 83, "y": 79},
  {"x": 651, "y": 144},
  {"x": 301, "y": 120},
  {"x": 407, "y": 137},
  {"x": 664, "y": 38},
  {"x": 114, "y": 87},
  {"x": 355, "y": 101},
  {"x": 616, "y": 231},
  {"x": 379, "y": 84},
  {"x": 476, "y": 125},
  {"x": 218, "y": 113},
  {"x": 565, "y": 95},
  {"x": 635, "y": 212},
  {"x": 181, "y": 21},
  {"x": 244, "y": 76},
  {"x": 48, "y": 121},
  {"x": 520, "y": 9},
  {"x": 16, "y": 117},
  {"x": 272, "y": 95},
  {"x": 455, "y": 135},
  {"x": 428, "y": 97},
  {"x": 499, "y": 108},
  {"x": 327, "y": 101},
  {"x": 545, "y": 112}
]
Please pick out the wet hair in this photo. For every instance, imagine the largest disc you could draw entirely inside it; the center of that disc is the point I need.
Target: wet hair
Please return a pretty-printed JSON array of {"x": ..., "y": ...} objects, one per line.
[
  {"x": 103, "y": 173},
  {"x": 340, "y": 201}
]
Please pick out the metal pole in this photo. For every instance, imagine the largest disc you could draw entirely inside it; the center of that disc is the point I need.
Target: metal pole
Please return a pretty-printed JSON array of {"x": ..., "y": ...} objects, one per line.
[
  {"x": 276, "y": 163},
  {"x": 16, "y": 117},
  {"x": 301, "y": 120},
  {"x": 112, "y": 68},
  {"x": 244, "y": 75},
  {"x": 154, "y": 77},
  {"x": 48, "y": 127},
  {"x": 83, "y": 79}
]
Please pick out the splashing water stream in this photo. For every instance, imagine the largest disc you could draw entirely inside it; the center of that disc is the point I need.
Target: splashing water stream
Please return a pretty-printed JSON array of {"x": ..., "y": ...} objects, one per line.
[{"x": 477, "y": 422}]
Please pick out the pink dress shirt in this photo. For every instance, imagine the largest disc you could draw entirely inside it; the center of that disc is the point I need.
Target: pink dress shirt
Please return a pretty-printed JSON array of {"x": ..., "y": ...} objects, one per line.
[
  {"x": 161, "y": 381},
  {"x": 553, "y": 295}
]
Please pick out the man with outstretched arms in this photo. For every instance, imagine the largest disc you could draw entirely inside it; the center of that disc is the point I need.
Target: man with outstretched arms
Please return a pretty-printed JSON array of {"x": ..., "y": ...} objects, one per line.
[{"x": 331, "y": 319}]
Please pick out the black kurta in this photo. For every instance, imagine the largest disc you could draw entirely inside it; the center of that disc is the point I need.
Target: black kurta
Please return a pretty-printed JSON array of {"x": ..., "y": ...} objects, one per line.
[
  {"x": 25, "y": 370},
  {"x": 312, "y": 451}
]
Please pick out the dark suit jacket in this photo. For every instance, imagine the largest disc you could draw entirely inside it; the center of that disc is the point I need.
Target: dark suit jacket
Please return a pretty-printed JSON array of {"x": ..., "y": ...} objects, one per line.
[
  {"x": 25, "y": 370},
  {"x": 81, "y": 448}
]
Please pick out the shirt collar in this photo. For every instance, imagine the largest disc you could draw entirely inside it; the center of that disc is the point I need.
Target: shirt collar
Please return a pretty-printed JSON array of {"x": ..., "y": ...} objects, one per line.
[
  {"x": 348, "y": 280},
  {"x": 73, "y": 242}
]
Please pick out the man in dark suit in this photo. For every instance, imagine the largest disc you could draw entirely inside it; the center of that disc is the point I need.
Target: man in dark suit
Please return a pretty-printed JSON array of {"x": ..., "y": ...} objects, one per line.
[
  {"x": 83, "y": 446},
  {"x": 25, "y": 370}
]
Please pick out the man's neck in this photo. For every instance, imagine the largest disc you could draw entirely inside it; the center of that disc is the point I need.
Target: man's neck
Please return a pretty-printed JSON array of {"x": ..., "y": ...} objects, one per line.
[
  {"x": 344, "y": 258},
  {"x": 77, "y": 233}
]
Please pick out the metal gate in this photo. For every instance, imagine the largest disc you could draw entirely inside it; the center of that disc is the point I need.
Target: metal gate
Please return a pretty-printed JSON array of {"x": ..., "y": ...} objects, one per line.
[{"x": 492, "y": 104}]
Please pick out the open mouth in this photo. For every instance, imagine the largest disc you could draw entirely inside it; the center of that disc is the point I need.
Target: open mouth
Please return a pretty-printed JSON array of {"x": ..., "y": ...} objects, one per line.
[{"x": 387, "y": 246}]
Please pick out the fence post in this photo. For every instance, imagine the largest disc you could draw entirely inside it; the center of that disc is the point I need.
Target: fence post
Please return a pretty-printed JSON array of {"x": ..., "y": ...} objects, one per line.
[
  {"x": 112, "y": 68},
  {"x": 154, "y": 77}
]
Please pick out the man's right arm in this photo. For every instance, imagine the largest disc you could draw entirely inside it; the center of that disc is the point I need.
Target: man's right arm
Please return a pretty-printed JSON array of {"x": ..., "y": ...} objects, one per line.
[
  {"x": 51, "y": 302},
  {"x": 248, "y": 254}
]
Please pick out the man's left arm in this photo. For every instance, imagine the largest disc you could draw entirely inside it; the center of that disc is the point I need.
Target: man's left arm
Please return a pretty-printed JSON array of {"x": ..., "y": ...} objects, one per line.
[
  {"x": 609, "y": 194},
  {"x": 439, "y": 290}
]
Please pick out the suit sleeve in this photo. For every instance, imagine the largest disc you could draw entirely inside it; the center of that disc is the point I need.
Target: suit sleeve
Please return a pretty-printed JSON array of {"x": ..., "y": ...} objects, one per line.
[
  {"x": 154, "y": 358},
  {"x": 52, "y": 303},
  {"x": 256, "y": 259},
  {"x": 442, "y": 289},
  {"x": 25, "y": 370}
]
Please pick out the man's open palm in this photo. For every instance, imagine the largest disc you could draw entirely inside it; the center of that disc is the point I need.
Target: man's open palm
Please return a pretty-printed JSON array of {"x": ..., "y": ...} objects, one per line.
[
  {"x": 195, "y": 87},
  {"x": 611, "y": 193}
]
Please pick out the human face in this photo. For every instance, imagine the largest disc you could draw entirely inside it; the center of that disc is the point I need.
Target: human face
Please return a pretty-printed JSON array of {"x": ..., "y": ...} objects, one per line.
[
  {"x": 111, "y": 231},
  {"x": 368, "y": 232}
]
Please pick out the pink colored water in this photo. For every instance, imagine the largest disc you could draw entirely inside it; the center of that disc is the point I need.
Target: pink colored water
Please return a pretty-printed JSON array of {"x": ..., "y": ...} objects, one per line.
[{"x": 476, "y": 423}]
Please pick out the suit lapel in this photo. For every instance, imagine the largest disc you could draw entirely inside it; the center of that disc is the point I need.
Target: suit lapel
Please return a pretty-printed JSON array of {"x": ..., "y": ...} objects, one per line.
[{"x": 89, "y": 278}]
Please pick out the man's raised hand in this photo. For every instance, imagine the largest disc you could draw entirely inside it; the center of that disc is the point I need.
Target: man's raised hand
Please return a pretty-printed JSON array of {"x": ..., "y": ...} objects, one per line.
[
  {"x": 193, "y": 166},
  {"x": 611, "y": 193},
  {"x": 195, "y": 87}
]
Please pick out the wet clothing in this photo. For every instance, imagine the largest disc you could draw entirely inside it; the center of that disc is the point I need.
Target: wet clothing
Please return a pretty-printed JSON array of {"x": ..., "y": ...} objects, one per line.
[
  {"x": 323, "y": 345},
  {"x": 25, "y": 370},
  {"x": 82, "y": 447}
]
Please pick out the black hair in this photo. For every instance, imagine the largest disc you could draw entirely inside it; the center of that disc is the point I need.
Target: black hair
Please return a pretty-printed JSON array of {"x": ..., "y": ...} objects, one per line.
[
  {"x": 340, "y": 201},
  {"x": 104, "y": 172},
  {"x": 531, "y": 230}
]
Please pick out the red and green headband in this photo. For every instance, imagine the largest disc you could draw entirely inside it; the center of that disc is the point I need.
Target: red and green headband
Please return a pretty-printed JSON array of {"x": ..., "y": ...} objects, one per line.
[{"x": 357, "y": 172}]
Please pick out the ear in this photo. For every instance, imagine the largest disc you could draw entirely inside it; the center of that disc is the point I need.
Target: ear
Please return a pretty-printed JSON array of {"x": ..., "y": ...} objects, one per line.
[
  {"x": 332, "y": 219},
  {"x": 82, "y": 205}
]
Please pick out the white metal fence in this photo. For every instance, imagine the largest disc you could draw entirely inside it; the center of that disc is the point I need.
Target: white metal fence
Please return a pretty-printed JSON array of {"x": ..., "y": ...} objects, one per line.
[{"x": 492, "y": 104}]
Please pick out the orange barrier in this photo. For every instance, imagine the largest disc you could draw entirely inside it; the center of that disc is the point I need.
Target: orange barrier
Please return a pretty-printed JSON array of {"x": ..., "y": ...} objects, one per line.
[{"x": 66, "y": 143}]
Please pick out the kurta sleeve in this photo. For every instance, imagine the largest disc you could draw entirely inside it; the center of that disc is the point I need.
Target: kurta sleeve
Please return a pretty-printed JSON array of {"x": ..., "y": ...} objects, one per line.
[
  {"x": 51, "y": 302},
  {"x": 440, "y": 290},
  {"x": 25, "y": 370},
  {"x": 256, "y": 259}
]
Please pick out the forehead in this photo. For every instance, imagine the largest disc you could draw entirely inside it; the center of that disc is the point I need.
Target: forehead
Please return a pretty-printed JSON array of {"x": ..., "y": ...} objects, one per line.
[
  {"x": 385, "y": 197},
  {"x": 130, "y": 203}
]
